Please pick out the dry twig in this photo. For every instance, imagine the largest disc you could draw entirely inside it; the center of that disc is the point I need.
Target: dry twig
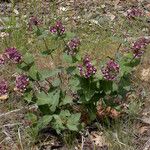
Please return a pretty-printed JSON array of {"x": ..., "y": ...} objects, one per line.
[
  {"x": 147, "y": 145},
  {"x": 17, "y": 110}
]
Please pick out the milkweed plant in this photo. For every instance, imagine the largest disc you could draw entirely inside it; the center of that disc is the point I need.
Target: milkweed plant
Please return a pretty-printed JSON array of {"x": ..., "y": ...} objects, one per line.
[{"x": 73, "y": 88}]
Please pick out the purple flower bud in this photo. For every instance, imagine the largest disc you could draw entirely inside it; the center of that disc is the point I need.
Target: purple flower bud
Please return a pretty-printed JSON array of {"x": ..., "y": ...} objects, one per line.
[
  {"x": 58, "y": 28},
  {"x": 62, "y": 30},
  {"x": 13, "y": 55},
  {"x": 134, "y": 12},
  {"x": 53, "y": 30},
  {"x": 138, "y": 53},
  {"x": 80, "y": 69},
  {"x": 3, "y": 87},
  {"x": 87, "y": 69},
  {"x": 111, "y": 70},
  {"x": 86, "y": 60},
  {"x": 22, "y": 82},
  {"x": 94, "y": 70},
  {"x": 74, "y": 43},
  {"x": 73, "y": 46},
  {"x": 88, "y": 64},
  {"x": 138, "y": 46}
]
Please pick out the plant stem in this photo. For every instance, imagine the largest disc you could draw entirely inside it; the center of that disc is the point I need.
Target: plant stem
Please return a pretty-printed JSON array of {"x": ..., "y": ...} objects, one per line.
[
  {"x": 46, "y": 46},
  {"x": 133, "y": 58},
  {"x": 45, "y": 43},
  {"x": 42, "y": 88},
  {"x": 119, "y": 47}
]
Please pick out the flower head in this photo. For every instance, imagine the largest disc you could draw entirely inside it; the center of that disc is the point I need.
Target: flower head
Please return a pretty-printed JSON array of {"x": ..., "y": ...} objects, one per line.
[
  {"x": 87, "y": 69},
  {"x": 22, "y": 82},
  {"x": 138, "y": 46},
  {"x": 3, "y": 87},
  {"x": 72, "y": 46},
  {"x": 134, "y": 12},
  {"x": 13, "y": 54},
  {"x": 111, "y": 70},
  {"x": 58, "y": 28}
]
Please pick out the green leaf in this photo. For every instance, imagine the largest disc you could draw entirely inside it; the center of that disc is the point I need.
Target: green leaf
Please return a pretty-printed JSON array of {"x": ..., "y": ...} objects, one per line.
[
  {"x": 78, "y": 57},
  {"x": 106, "y": 86},
  {"x": 38, "y": 32},
  {"x": 25, "y": 67},
  {"x": 52, "y": 99},
  {"x": 125, "y": 69},
  {"x": 49, "y": 73},
  {"x": 64, "y": 114},
  {"x": 48, "y": 52},
  {"x": 92, "y": 115},
  {"x": 134, "y": 63},
  {"x": 89, "y": 94},
  {"x": 28, "y": 58},
  {"x": 31, "y": 117},
  {"x": 128, "y": 88},
  {"x": 73, "y": 122},
  {"x": 69, "y": 35},
  {"x": 98, "y": 76},
  {"x": 44, "y": 34},
  {"x": 125, "y": 64},
  {"x": 74, "y": 83},
  {"x": 55, "y": 100},
  {"x": 88, "y": 87},
  {"x": 125, "y": 83},
  {"x": 56, "y": 82},
  {"x": 28, "y": 97},
  {"x": 58, "y": 124},
  {"x": 33, "y": 73},
  {"x": 44, "y": 109},
  {"x": 67, "y": 100},
  {"x": 43, "y": 98},
  {"x": 71, "y": 70},
  {"x": 44, "y": 121},
  {"x": 67, "y": 58},
  {"x": 115, "y": 86}
]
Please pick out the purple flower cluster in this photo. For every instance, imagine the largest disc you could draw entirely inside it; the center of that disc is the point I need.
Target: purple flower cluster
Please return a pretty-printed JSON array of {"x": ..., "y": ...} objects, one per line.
[
  {"x": 111, "y": 70},
  {"x": 3, "y": 87},
  {"x": 58, "y": 28},
  {"x": 87, "y": 69},
  {"x": 72, "y": 46},
  {"x": 134, "y": 12},
  {"x": 22, "y": 82},
  {"x": 13, "y": 54},
  {"x": 138, "y": 46}
]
